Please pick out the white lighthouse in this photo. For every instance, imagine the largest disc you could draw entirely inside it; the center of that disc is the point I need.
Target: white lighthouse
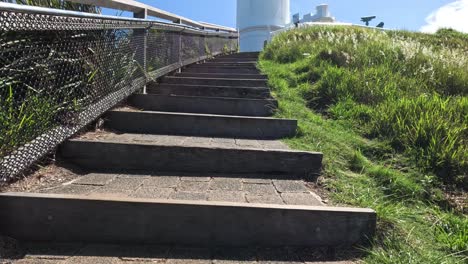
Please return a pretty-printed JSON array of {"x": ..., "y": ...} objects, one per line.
[{"x": 257, "y": 18}]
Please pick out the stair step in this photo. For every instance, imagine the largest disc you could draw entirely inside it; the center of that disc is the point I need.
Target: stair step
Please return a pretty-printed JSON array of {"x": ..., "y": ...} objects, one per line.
[
  {"x": 224, "y": 65},
  {"x": 209, "y": 91},
  {"x": 233, "y": 64},
  {"x": 223, "y": 75},
  {"x": 214, "y": 82},
  {"x": 233, "y": 60},
  {"x": 253, "y": 55},
  {"x": 71, "y": 218},
  {"x": 204, "y": 105},
  {"x": 211, "y": 69},
  {"x": 199, "y": 125},
  {"x": 188, "y": 154}
]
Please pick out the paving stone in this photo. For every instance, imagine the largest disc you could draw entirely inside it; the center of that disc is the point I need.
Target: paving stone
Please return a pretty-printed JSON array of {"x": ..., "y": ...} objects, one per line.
[
  {"x": 227, "y": 196},
  {"x": 125, "y": 183},
  {"x": 191, "y": 186},
  {"x": 95, "y": 179},
  {"x": 264, "y": 199},
  {"x": 248, "y": 143},
  {"x": 259, "y": 189},
  {"x": 223, "y": 143},
  {"x": 189, "y": 196},
  {"x": 273, "y": 144},
  {"x": 89, "y": 259},
  {"x": 57, "y": 251},
  {"x": 162, "y": 181},
  {"x": 289, "y": 186},
  {"x": 228, "y": 184},
  {"x": 300, "y": 199},
  {"x": 256, "y": 181},
  {"x": 72, "y": 189},
  {"x": 153, "y": 193},
  {"x": 32, "y": 261},
  {"x": 110, "y": 193},
  {"x": 189, "y": 255},
  {"x": 196, "y": 179}
]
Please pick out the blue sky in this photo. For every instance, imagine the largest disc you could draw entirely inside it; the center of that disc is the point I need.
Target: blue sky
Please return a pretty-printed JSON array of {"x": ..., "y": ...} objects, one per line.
[{"x": 397, "y": 14}]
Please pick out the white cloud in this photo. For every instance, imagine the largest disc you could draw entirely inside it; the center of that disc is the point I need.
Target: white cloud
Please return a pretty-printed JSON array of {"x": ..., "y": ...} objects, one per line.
[{"x": 453, "y": 15}]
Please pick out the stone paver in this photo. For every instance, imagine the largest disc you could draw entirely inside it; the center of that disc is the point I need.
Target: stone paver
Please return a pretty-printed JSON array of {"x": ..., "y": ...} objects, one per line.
[
  {"x": 264, "y": 199},
  {"x": 288, "y": 186},
  {"x": 153, "y": 193},
  {"x": 227, "y": 196},
  {"x": 191, "y": 186},
  {"x": 259, "y": 189},
  {"x": 300, "y": 199},
  {"x": 222, "y": 188},
  {"x": 125, "y": 183},
  {"x": 54, "y": 253},
  {"x": 189, "y": 196},
  {"x": 168, "y": 140},
  {"x": 71, "y": 189},
  {"x": 96, "y": 179},
  {"x": 162, "y": 181},
  {"x": 227, "y": 184}
]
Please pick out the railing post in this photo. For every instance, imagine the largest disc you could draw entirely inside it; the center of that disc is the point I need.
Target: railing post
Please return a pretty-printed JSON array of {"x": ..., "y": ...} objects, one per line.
[
  {"x": 142, "y": 34},
  {"x": 179, "y": 70}
]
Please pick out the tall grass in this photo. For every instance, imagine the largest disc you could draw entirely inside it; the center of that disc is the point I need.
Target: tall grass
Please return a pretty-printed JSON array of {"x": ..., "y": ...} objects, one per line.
[
  {"x": 415, "y": 222},
  {"x": 408, "y": 88}
]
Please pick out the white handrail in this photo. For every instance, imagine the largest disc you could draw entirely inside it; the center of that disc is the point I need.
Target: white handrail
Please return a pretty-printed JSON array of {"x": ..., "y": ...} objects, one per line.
[{"x": 140, "y": 8}]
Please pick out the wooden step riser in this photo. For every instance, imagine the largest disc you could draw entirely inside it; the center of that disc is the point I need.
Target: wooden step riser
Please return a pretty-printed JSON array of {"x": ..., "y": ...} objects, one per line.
[
  {"x": 100, "y": 156},
  {"x": 204, "y": 105},
  {"x": 60, "y": 218},
  {"x": 199, "y": 125},
  {"x": 214, "y": 82}
]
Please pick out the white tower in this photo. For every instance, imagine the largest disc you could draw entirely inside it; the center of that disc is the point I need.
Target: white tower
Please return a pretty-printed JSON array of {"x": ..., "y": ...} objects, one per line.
[{"x": 257, "y": 18}]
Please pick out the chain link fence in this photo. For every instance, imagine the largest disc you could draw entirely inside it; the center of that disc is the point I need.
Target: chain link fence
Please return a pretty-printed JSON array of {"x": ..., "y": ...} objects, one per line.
[{"x": 60, "y": 70}]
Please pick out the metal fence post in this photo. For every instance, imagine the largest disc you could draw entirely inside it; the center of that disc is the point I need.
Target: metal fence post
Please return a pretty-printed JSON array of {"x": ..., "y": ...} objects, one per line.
[{"x": 142, "y": 34}]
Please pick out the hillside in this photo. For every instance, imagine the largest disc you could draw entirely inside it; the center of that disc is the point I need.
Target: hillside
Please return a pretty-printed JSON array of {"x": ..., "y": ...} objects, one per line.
[{"x": 389, "y": 110}]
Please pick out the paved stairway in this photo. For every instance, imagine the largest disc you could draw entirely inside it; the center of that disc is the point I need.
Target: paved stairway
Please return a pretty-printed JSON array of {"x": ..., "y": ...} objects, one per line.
[{"x": 195, "y": 162}]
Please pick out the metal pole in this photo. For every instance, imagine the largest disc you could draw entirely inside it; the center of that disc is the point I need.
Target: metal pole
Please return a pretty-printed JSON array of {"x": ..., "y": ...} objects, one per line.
[{"x": 143, "y": 37}]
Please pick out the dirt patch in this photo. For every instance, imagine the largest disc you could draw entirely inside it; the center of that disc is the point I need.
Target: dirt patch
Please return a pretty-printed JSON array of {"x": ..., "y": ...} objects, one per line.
[{"x": 45, "y": 177}]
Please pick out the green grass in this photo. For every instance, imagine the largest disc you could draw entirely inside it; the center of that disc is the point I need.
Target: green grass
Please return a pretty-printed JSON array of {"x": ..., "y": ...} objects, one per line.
[
  {"x": 388, "y": 168},
  {"x": 407, "y": 88}
]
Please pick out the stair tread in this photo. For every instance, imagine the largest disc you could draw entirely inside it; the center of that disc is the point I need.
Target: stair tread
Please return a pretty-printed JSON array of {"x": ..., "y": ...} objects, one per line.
[
  {"x": 186, "y": 141},
  {"x": 202, "y": 115},
  {"x": 209, "y": 189}
]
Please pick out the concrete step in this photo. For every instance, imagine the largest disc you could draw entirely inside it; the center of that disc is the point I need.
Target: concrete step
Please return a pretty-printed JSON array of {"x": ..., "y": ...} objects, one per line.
[
  {"x": 209, "y": 91},
  {"x": 204, "y": 105},
  {"x": 231, "y": 70},
  {"x": 223, "y": 75},
  {"x": 242, "y": 55},
  {"x": 187, "y": 154},
  {"x": 224, "y": 65},
  {"x": 214, "y": 82},
  {"x": 164, "y": 123},
  {"x": 233, "y": 64},
  {"x": 72, "y": 218},
  {"x": 233, "y": 60}
]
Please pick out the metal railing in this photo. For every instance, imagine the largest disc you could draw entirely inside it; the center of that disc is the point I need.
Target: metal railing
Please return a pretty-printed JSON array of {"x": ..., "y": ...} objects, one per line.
[{"x": 60, "y": 70}]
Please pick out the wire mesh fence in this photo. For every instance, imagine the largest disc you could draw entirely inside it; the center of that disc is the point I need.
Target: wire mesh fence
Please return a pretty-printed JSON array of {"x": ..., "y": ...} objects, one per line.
[{"x": 59, "y": 71}]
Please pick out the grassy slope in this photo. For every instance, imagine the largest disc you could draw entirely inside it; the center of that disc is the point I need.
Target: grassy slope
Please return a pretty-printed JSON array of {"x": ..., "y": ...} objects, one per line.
[{"x": 414, "y": 225}]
